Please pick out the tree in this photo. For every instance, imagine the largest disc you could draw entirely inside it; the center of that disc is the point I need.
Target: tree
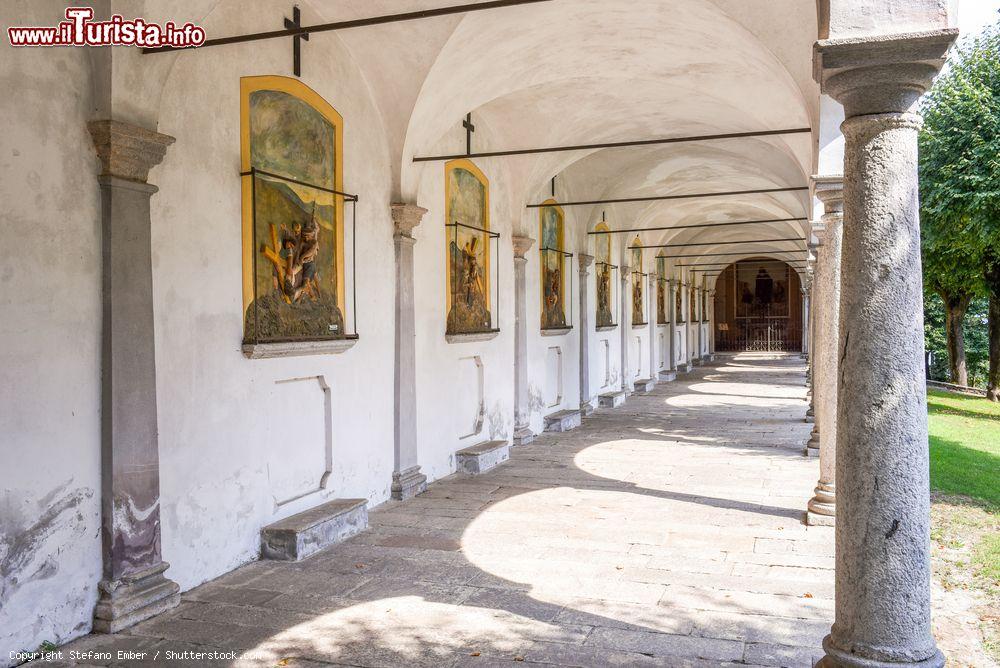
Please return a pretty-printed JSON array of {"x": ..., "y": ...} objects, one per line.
[{"x": 960, "y": 183}]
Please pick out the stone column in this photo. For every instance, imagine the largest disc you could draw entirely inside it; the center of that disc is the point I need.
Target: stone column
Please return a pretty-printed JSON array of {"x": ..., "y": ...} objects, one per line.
[
  {"x": 522, "y": 413},
  {"x": 133, "y": 587},
  {"x": 407, "y": 480},
  {"x": 822, "y": 507},
  {"x": 625, "y": 319},
  {"x": 711, "y": 324},
  {"x": 883, "y": 612},
  {"x": 814, "y": 337},
  {"x": 586, "y": 399},
  {"x": 654, "y": 371},
  {"x": 824, "y": 338},
  {"x": 805, "y": 321}
]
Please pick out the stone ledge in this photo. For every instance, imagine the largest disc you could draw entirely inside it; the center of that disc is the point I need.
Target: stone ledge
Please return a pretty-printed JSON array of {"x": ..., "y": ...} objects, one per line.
[
  {"x": 259, "y": 351},
  {"x": 295, "y": 538},
  {"x": 612, "y": 399},
  {"x": 640, "y": 325},
  {"x": 482, "y": 457},
  {"x": 408, "y": 484},
  {"x": 473, "y": 337},
  {"x": 556, "y": 331},
  {"x": 643, "y": 385},
  {"x": 563, "y": 420},
  {"x": 606, "y": 328}
]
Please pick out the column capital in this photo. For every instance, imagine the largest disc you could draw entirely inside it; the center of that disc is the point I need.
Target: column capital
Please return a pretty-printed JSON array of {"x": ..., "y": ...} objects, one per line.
[
  {"x": 830, "y": 191},
  {"x": 405, "y": 217},
  {"x": 522, "y": 245},
  {"x": 127, "y": 151},
  {"x": 883, "y": 73},
  {"x": 585, "y": 262}
]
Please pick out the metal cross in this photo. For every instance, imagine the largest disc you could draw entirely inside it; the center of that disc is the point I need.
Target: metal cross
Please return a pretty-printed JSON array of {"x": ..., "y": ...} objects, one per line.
[
  {"x": 297, "y": 41},
  {"x": 469, "y": 129}
]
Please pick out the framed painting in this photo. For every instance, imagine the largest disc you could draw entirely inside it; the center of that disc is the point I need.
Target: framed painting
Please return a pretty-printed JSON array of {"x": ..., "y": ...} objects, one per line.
[
  {"x": 467, "y": 221},
  {"x": 603, "y": 271},
  {"x": 293, "y": 217},
  {"x": 552, "y": 275},
  {"x": 661, "y": 291},
  {"x": 638, "y": 278}
]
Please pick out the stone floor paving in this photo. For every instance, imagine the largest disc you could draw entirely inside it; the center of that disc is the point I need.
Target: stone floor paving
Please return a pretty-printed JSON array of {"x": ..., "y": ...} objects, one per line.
[{"x": 666, "y": 532}]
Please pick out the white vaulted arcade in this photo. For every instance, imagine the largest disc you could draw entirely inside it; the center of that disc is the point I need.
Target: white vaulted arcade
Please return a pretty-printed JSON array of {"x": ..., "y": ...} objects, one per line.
[{"x": 272, "y": 295}]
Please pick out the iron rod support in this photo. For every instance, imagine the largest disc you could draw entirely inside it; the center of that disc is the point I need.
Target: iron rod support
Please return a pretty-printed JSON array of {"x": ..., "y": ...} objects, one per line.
[
  {"x": 658, "y": 198},
  {"x": 355, "y": 23},
  {"x": 616, "y": 144},
  {"x": 729, "y": 243},
  {"x": 699, "y": 225}
]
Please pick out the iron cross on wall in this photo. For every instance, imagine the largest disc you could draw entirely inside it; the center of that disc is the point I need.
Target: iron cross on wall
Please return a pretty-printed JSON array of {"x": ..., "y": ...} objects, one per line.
[{"x": 296, "y": 40}]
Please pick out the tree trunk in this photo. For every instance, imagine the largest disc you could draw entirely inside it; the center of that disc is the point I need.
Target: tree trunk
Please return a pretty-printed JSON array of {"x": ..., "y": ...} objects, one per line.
[
  {"x": 993, "y": 378},
  {"x": 955, "y": 307},
  {"x": 992, "y": 279}
]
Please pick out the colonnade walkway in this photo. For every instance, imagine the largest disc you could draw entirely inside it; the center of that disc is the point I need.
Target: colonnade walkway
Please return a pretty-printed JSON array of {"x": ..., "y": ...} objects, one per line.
[{"x": 666, "y": 532}]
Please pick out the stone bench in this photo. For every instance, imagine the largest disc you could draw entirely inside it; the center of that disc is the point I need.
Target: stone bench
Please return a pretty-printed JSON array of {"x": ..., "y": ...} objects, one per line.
[
  {"x": 482, "y": 457},
  {"x": 668, "y": 376},
  {"x": 563, "y": 420},
  {"x": 296, "y": 537},
  {"x": 644, "y": 385},
  {"x": 612, "y": 399},
  {"x": 684, "y": 367}
]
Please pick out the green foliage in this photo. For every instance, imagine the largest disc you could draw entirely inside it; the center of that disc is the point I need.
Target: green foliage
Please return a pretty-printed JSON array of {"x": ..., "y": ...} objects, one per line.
[
  {"x": 960, "y": 195},
  {"x": 960, "y": 153}
]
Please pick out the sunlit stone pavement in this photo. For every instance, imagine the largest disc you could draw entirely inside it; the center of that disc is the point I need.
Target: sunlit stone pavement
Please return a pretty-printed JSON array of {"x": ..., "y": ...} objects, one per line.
[{"x": 667, "y": 532}]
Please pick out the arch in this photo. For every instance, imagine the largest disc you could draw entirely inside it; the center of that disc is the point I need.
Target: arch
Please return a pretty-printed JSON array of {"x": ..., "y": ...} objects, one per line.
[
  {"x": 467, "y": 247},
  {"x": 552, "y": 274},
  {"x": 291, "y": 160},
  {"x": 758, "y": 305}
]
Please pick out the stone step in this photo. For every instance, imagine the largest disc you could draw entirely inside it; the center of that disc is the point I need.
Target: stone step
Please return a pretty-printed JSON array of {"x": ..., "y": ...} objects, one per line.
[
  {"x": 482, "y": 457},
  {"x": 668, "y": 376},
  {"x": 563, "y": 420},
  {"x": 295, "y": 538},
  {"x": 612, "y": 399},
  {"x": 644, "y": 385}
]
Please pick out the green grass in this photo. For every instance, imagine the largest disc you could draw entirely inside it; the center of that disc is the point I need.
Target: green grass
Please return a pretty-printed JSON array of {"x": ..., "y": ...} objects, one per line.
[
  {"x": 965, "y": 445},
  {"x": 965, "y": 461}
]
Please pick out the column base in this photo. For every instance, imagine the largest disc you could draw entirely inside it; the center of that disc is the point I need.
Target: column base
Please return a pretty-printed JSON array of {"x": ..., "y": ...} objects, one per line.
[
  {"x": 836, "y": 658},
  {"x": 812, "y": 445},
  {"x": 587, "y": 408},
  {"x": 407, "y": 484},
  {"x": 823, "y": 506},
  {"x": 523, "y": 436},
  {"x": 134, "y": 598}
]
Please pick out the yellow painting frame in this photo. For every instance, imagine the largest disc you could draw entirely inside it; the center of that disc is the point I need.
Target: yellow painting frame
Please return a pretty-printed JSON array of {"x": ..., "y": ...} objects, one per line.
[
  {"x": 469, "y": 166},
  {"x": 550, "y": 203},
  {"x": 299, "y": 90}
]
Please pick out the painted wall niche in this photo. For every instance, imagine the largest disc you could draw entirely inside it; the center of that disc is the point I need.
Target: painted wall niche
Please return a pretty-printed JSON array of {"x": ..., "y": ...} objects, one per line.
[
  {"x": 293, "y": 213},
  {"x": 553, "y": 274},
  {"x": 604, "y": 271},
  {"x": 468, "y": 242}
]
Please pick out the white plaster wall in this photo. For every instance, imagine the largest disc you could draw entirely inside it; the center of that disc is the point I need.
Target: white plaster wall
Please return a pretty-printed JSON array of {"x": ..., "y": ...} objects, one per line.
[
  {"x": 50, "y": 319},
  {"x": 449, "y": 393},
  {"x": 233, "y": 436}
]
